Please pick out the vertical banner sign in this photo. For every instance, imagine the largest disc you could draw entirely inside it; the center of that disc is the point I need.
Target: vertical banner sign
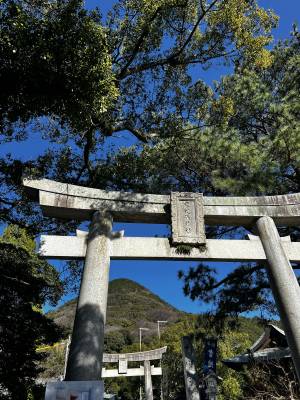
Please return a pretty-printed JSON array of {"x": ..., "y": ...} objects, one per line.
[{"x": 210, "y": 355}]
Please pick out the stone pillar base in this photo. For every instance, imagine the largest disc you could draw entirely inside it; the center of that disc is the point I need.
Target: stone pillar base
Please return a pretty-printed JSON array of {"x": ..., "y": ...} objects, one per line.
[{"x": 75, "y": 390}]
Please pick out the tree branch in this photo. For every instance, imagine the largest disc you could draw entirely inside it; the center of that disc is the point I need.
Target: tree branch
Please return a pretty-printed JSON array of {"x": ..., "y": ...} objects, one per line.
[
  {"x": 228, "y": 277},
  {"x": 139, "y": 42},
  {"x": 10, "y": 278},
  {"x": 126, "y": 126},
  {"x": 189, "y": 38},
  {"x": 87, "y": 149},
  {"x": 172, "y": 59}
]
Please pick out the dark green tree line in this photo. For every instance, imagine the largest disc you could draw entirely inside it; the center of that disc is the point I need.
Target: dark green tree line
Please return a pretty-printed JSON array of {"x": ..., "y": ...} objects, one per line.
[{"x": 26, "y": 283}]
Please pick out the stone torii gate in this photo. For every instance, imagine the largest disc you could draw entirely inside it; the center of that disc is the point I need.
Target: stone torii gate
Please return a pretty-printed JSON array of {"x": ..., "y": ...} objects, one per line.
[
  {"x": 147, "y": 370},
  {"x": 187, "y": 213}
]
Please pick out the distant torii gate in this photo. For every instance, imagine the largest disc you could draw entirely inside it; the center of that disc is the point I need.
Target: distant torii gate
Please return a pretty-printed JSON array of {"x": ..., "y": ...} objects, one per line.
[
  {"x": 146, "y": 370},
  {"x": 187, "y": 213},
  {"x": 124, "y": 370}
]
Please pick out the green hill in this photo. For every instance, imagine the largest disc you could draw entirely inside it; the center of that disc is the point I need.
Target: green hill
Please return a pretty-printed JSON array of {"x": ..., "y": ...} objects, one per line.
[{"x": 129, "y": 307}]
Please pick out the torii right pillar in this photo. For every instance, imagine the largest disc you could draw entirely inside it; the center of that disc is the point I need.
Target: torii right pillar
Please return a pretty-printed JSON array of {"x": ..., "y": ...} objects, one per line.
[{"x": 284, "y": 285}]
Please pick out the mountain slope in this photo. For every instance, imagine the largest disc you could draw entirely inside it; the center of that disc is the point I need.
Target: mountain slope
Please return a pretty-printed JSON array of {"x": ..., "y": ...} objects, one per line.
[{"x": 130, "y": 306}]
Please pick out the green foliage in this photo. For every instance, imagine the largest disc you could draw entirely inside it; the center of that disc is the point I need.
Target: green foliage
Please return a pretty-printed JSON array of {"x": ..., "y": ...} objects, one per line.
[
  {"x": 241, "y": 147},
  {"x": 76, "y": 79},
  {"x": 19, "y": 238},
  {"x": 26, "y": 284},
  {"x": 53, "y": 363},
  {"x": 246, "y": 288},
  {"x": 263, "y": 127},
  {"x": 232, "y": 343},
  {"x": 115, "y": 341},
  {"x": 125, "y": 388},
  {"x": 184, "y": 249},
  {"x": 55, "y": 63},
  {"x": 173, "y": 375}
]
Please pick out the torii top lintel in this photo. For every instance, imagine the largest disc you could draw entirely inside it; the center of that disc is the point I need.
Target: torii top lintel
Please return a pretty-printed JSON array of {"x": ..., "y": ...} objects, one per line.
[
  {"x": 67, "y": 201},
  {"x": 148, "y": 355}
]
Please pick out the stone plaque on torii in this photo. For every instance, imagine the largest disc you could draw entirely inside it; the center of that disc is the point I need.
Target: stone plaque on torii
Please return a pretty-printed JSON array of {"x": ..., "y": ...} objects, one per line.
[{"x": 187, "y": 213}]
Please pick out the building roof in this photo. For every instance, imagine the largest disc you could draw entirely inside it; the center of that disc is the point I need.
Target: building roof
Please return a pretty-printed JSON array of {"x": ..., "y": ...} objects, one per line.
[
  {"x": 271, "y": 345},
  {"x": 271, "y": 337}
]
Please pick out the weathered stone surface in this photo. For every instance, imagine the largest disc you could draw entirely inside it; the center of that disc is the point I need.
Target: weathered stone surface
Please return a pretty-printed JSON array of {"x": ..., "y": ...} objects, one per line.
[
  {"x": 74, "y": 390},
  {"x": 86, "y": 350},
  {"x": 190, "y": 375},
  {"x": 148, "y": 381},
  {"x": 210, "y": 355},
  {"x": 282, "y": 238},
  {"x": 284, "y": 285},
  {"x": 155, "y": 354},
  {"x": 187, "y": 218},
  {"x": 76, "y": 202},
  {"x": 211, "y": 386},
  {"x": 130, "y": 248},
  {"x": 123, "y": 359},
  {"x": 123, "y": 364},
  {"x": 114, "y": 373}
]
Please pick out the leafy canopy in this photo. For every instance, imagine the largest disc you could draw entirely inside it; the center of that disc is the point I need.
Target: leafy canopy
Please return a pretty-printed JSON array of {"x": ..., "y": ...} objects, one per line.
[
  {"x": 69, "y": 79},
  {"x": 55, "y": 64}
]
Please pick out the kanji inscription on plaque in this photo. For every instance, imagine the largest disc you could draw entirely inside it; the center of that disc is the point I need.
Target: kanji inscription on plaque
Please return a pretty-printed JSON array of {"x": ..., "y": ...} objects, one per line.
[
  {"x": 123, "y": 364},
  {"x": 187, "y": 218}
]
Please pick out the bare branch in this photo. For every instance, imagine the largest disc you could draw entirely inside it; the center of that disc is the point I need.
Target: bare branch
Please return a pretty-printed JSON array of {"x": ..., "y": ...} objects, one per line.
[
  {"x": 171, "y": 59},
  {"x": 189, "y": 38},
  {"x": 127, "y": 126},
  {"x": 228, "y": 277},
  {"x": 87, "y": 150},
  {"x": 139, "y": 42},
  {"x": 10, "y": 278}
]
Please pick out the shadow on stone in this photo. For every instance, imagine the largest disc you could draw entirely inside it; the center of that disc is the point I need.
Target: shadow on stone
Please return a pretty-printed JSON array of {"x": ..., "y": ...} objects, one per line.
[{"x": 85, "y": 363}]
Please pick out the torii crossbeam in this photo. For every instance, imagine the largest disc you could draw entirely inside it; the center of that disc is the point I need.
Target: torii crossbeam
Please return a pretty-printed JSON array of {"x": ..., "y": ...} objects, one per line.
[
  {"x": 148, "y": 248},
  {"x": 188, "y": 213}
]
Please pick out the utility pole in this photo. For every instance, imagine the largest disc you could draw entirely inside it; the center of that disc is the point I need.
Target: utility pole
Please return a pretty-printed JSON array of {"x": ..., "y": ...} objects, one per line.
[
  {"x": 140, "y": 332},
  {"x": 158, "y": 333},
  {"x": 158, "y": 329},
  {"x": 68, "y": 342}
]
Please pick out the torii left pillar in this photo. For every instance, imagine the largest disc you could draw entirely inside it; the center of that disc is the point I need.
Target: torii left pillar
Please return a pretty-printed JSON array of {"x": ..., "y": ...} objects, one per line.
[
  {"x": 148, "y": 380},
  {"x": 87, "y": 345}
]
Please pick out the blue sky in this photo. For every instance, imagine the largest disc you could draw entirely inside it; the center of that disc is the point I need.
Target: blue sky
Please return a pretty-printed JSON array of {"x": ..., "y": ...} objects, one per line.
[{"x": 161, "y": 277}]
